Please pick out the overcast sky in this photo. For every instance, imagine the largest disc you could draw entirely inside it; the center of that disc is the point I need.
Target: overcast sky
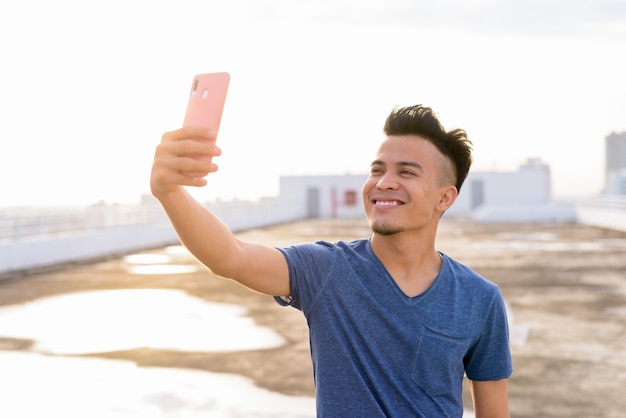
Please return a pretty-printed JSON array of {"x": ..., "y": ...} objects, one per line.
[{"x": 87, "y": 88}]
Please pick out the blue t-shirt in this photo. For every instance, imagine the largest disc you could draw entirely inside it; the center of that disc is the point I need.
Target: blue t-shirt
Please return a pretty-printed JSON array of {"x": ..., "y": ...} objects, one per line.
[{"x": 377, "y": 352}]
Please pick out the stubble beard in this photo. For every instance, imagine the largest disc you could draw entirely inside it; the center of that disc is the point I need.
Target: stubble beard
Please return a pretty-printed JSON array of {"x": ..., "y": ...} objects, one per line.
[{"x": 385, "y": 228}]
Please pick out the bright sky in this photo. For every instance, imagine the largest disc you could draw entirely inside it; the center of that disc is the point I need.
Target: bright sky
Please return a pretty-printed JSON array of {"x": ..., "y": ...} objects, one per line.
[{"x": 87, "y": 88}]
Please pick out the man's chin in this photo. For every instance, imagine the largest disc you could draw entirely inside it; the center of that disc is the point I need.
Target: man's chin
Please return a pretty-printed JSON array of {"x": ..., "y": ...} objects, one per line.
[{"x": 382, "y": 228}]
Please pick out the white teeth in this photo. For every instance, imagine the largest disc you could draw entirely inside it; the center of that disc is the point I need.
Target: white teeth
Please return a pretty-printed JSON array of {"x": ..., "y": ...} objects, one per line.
[{"x": 386, "y": 202}]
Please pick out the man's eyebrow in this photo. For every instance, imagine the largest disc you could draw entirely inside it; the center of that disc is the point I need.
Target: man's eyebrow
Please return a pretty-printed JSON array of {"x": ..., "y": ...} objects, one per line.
[{"x": 413, "y": 164}]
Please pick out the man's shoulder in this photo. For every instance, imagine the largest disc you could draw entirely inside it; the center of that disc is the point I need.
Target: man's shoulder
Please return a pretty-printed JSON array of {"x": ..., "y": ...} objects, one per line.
[
  {"x": 467, "y": 276},
  {"x": 325, "y": 248}
]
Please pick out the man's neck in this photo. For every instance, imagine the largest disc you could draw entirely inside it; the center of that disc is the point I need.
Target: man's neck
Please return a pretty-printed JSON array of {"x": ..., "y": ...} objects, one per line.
[{"x": 412, "y": 262}]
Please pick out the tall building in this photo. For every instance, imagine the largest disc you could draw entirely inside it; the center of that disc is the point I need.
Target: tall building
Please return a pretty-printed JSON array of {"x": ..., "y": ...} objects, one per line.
[{"x": 615, "y": 172}]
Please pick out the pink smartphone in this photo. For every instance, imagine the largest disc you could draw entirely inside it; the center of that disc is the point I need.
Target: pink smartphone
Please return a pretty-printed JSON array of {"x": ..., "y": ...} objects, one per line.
[{"x": 206, "y": 100}]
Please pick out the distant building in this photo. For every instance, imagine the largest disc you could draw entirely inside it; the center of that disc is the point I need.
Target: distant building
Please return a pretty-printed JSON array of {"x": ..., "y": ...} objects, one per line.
[
  {"x": 495, "y": 196},
  {"x": 615, "y": 160},
  {"x": 325, "y": 196},
  {"x": 524, "y": 195}
]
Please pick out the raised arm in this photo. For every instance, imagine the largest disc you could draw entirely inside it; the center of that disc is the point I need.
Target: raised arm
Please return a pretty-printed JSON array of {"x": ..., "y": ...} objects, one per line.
[{"x": 184, "y": 158}]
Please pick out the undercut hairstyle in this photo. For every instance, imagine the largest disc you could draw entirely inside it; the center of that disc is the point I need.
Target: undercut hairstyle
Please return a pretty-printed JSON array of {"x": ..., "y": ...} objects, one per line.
[{"x": 422, "y": 121}]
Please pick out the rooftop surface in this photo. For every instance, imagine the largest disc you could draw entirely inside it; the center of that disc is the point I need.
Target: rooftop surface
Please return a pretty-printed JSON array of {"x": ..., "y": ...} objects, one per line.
[{"x": 565, "y": 285}]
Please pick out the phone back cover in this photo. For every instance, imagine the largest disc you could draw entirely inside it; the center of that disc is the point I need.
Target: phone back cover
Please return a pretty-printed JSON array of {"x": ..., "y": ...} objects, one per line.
[{"x": 206, "y": 100}]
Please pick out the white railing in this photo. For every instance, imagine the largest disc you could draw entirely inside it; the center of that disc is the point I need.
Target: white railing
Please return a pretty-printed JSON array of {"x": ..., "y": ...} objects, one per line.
[
  {"x": 37, "y": 238},
  {"x": 617, "y": 202},
  {"x": 32, "y": 223},
  {"x": 608, "y": 211}
]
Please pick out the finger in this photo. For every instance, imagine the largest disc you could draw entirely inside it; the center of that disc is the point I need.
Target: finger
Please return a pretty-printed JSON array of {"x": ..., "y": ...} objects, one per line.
[
  {"x": 186, "y": 156},
  {"x": 196, "y": 165},
  {"x": 200, "y": 174},
  {"x": 165, "y": 179},
  {"x": 205, "y": 148}
]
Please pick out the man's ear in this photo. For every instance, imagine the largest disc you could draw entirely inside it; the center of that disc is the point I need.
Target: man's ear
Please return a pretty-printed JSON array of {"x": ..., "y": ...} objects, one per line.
[{"x": 448, "y": 195}]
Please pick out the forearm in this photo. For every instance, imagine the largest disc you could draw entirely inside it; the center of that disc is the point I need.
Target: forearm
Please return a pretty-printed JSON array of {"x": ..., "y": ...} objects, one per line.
[
  {"x": 201, "y": 232},
  {"x": 184, "y": 158}
]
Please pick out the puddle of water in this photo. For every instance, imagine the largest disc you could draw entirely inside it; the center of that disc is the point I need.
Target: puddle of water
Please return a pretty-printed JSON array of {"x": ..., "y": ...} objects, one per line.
[
  {"x": 178, "y": 250},
  {"x": 527, "y": 236},
  {"x": 538, "y": 246},
  {"x": 617, "y": 311},
  {"x": 153, "y": 263},
  {"x": 111, "y": 320},
  {"x": 151, "y": 269},
  {"x": 34, "y": 385},
  {"x": 100, "y": 321},
  {"x": 544, "y": 241},
  {"x": 147, "y": 259},
  {"x": 80, "y": 387}
]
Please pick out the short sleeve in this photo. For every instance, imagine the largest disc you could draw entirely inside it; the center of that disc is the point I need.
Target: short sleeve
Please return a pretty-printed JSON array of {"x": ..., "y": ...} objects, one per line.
[
  {"x": 490, "y": 357},
  {"x": 309, "y": 266}
]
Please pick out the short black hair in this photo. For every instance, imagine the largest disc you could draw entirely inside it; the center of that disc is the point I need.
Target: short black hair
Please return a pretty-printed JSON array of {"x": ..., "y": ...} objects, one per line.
[{"x": 421, "y": 120}]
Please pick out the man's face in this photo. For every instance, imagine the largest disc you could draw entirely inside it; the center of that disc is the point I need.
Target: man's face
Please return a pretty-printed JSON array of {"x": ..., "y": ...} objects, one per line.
[{"x": 405, "y": 185}]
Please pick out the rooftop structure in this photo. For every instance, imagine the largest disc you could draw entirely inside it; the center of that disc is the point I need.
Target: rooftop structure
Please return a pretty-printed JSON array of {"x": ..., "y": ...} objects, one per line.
[{"x": 615, "y": 160}]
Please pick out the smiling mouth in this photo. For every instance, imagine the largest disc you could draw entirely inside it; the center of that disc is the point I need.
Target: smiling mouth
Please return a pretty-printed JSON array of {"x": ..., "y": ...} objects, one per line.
[{"x": 387, "y": 203}]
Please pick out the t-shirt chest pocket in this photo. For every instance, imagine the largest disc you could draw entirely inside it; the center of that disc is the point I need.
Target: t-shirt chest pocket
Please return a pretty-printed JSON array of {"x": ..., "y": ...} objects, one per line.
[{"x": 438, "y": 364}]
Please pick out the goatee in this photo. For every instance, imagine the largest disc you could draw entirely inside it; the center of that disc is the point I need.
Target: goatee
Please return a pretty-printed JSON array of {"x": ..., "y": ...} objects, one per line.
[{"x": 382, "y": 228}]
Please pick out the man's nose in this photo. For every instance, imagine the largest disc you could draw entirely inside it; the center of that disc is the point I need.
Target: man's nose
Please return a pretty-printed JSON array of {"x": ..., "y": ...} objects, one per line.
[{"x": 387, "y": 182}]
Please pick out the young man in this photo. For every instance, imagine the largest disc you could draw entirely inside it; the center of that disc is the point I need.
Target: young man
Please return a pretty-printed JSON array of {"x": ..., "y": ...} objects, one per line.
[{"x": 394, "y": 324}]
